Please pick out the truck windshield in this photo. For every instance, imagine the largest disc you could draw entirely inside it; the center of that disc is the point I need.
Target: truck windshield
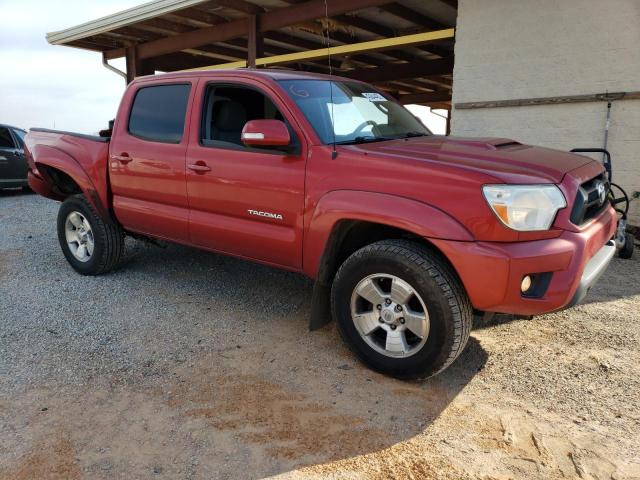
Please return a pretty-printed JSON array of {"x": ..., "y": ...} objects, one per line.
[{"x": 353, "y": 112}]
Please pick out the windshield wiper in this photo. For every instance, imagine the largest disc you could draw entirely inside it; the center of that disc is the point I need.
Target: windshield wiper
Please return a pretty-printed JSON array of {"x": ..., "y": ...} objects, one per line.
[
  {"x": 414, "y": 134},
  {"x": 363, "y": 140}
]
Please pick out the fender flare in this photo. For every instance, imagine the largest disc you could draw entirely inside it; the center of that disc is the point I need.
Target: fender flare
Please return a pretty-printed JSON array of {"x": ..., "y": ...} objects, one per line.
[
  {"x": 322, "y": 236},
  {"x": 49, "y": 156},
  {"x": 403, "y": 213}
]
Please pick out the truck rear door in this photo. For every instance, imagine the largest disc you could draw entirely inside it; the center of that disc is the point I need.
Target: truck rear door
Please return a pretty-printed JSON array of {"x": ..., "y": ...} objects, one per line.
[
  {"x": 245, "y": 201},
  {"x": 13, "y": 167},
  {"x": 147, "y": 159}
]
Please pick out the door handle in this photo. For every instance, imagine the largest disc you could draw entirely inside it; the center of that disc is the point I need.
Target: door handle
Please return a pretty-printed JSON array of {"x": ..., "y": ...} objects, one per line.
[
  {"x": 199, "y": 167},
  {"x": 122, "y": 158}
]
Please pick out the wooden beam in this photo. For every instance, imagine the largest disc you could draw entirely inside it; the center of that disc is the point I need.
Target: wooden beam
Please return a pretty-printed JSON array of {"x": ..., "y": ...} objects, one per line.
[
  {"x": 311, "y": 10},
  {"x": 268, "y": 21},
  {"x": 162, "y": 26},
  {"x": 415, "y": 69},
  {"x": 299, "y": 44},
  {"x": 137, "y": 33},
  {"x": 270, "y": 49},
  {"x": 366, "y": 25},
  {"x": 451, "y": 3},
  {"x": 424, "y": 98},
  {"x": 410, "y": 15},
  {"x": 199, "y": 15},
  {"x": 240, "y": 6},
  {"x": 117, "y": 53},
  {"x": 178, "y": 61},
  {"x": 413, "y": 86},
  {"x": 355, "y": 48},
  {"x": 377, "y": 29},
  {"x": 195, "y": 38},
  {"x": 389, "y": 72},
  {"x": 440, "y": 105}
]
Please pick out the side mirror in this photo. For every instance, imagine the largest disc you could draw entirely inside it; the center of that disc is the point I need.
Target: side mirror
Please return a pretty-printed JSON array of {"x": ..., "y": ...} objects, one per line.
[{"x": 265, "y": 133}]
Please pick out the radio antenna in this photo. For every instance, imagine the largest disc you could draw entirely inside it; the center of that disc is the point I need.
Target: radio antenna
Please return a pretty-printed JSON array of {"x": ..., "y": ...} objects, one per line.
[{"x": 334, "y": 152}]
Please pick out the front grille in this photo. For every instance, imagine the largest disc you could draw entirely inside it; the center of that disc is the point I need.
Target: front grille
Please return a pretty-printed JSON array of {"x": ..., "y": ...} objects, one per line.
[{"x": 588, "y": 203}]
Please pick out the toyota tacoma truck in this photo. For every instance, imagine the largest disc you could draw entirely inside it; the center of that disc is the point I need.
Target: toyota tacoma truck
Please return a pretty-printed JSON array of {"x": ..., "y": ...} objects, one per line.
[{"x": 406, "y": 234}]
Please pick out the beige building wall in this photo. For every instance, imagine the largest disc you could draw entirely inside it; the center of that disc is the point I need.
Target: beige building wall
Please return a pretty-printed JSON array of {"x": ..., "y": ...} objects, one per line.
[{"x": 512, "y": 49}]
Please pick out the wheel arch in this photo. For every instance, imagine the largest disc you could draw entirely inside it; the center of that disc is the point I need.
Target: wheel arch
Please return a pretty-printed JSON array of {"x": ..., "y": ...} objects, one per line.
[
  {"x": 58, "y": 175},
  {"x": 345, "y": 215},
  {"x": 346, "y": 221}
]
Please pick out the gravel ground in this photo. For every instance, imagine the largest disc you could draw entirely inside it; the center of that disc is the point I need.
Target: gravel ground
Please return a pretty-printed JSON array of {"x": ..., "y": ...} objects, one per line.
[{"x": 184, "y": 364}]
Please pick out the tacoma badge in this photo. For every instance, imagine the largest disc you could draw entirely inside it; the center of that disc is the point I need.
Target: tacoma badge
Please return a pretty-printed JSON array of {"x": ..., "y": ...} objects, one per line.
[{"x": 275, "y": 216}]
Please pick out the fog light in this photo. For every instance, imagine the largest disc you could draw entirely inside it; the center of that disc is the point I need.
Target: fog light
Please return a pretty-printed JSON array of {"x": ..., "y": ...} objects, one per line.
[{"x": 526, "y": 284}]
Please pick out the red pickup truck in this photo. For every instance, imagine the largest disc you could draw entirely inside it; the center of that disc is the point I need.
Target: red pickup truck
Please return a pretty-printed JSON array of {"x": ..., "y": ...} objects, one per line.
[{"x": 406, "y": 234}]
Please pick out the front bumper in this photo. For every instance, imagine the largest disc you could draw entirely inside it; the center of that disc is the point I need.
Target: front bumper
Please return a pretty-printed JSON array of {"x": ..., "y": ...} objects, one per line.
[
  {"x": 492, "y": 272},
  {"x": 594, "y": 268}
]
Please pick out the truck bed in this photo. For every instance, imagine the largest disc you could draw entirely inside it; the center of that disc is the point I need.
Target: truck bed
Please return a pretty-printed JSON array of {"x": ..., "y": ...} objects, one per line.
[{"x": 95, "y": 138}]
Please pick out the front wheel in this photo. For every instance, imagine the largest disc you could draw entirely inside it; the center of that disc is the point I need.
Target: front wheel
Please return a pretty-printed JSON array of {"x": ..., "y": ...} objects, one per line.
[
  {"x": 92, "y": 245},
  {"x": 401, "y": 309}
]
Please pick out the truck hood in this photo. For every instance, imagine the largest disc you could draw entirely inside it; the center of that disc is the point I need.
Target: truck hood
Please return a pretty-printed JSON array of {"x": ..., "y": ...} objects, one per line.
[{"x": 504, "y": 159}]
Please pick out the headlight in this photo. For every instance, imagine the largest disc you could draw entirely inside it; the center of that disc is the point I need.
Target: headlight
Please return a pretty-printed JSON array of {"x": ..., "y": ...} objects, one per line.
[{"x": 525, "y": 207}]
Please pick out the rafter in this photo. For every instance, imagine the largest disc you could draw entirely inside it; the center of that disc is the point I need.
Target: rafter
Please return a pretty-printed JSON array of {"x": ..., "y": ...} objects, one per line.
[
  {"x": 424, "y": 98},
  {"x": 411, "y": 15},
  {"x": 268, "y": 21},
  {"x": 399, "y": 72},
  {"x": 240, "y": 6}
]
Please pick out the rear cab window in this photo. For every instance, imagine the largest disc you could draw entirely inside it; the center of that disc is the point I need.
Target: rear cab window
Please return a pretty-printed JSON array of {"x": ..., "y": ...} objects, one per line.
[{"x": 158, "y": 113}]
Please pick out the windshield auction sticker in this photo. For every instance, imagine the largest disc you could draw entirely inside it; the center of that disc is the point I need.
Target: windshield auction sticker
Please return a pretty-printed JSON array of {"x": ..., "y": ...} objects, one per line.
[{"x": 374, "y": 97}]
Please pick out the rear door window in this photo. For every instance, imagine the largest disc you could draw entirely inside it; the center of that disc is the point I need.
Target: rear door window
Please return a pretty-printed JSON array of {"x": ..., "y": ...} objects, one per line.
[
  {"x": 158, "y": 113},
  {"x": 6, "y": 141},
  {"x": 19, "y": 136}
]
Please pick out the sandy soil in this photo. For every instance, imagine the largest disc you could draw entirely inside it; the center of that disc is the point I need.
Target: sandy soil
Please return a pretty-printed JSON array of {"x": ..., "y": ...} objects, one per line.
[{"x": 187, "y": 380}]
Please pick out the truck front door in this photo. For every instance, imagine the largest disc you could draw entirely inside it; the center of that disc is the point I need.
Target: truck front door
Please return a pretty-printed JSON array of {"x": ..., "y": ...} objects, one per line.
[
  {"x": 244, "y": 201},
  {"x": 147, "y": 160}
]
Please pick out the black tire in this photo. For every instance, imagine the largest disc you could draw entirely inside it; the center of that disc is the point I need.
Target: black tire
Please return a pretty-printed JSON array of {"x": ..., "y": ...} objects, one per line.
[
  {"x": 626, "y": 252},
  {"x": 108, "y": 238},
  {"x": 450, "y": 312}
]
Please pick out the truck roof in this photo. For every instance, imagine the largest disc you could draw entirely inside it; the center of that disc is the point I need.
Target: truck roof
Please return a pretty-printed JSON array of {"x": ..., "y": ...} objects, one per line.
[
  {"x": 4, "y": 125},
  {"x": 273, "y": 74}
]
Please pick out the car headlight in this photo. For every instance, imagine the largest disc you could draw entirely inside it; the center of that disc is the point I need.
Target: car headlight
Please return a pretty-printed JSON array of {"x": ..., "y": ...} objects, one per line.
[{"x": 525, "y": 207}]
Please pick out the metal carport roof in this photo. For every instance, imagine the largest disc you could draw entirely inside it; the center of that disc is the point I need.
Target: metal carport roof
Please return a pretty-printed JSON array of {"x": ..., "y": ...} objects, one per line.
[{"x": 169, "y": 35}]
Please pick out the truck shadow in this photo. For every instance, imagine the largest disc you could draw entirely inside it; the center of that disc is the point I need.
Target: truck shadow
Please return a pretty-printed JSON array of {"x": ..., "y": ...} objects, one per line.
[
  {"x": 284, "y": 415},
  {"x": 289, "y": 398}
]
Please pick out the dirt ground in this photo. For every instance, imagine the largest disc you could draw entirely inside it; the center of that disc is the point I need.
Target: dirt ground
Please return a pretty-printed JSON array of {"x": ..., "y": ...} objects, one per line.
[{"x": 184, "y": 364}]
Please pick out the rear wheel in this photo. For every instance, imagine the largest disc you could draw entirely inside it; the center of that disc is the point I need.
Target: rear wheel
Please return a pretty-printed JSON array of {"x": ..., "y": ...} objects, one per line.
[
  {"x": 90, "y": 244},
  {"x": 401, "y": 309}
]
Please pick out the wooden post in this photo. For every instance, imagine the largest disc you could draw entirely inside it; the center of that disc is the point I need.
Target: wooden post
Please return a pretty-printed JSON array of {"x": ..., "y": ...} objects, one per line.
[
  {"x": 133, "y": 63},
  {"x": 255, "y": 42},
  {"x": 448, "y": 130},
  {"x": 145, "y": 67}
]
